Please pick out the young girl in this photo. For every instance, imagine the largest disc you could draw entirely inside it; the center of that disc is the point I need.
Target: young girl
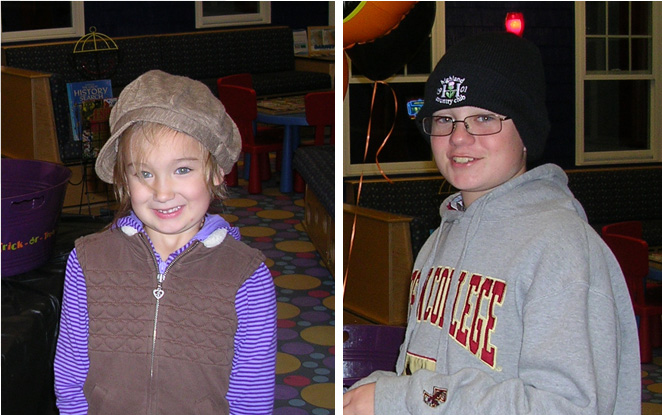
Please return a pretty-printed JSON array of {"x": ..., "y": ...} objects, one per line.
[
  {"x": 166, "y": 312},
  {"x": 517, "y": 306}
]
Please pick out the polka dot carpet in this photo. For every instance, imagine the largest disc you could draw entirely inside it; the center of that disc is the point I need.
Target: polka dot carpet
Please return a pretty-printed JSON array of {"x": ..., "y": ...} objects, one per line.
[
  {"x": 651, "y": 385},
  {"x": 271, "y": 222}
]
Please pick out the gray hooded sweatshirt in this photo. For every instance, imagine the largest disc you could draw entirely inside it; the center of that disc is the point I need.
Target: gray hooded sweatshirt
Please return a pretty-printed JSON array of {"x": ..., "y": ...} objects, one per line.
[{"x": 517, "y": 307}]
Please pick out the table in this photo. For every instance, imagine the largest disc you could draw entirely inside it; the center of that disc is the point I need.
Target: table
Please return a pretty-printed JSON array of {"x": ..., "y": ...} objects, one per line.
[
  {"x": 291, "y": 122},
  {"x": 316, "y": 63},
  {"x": 655, "y": 262}
]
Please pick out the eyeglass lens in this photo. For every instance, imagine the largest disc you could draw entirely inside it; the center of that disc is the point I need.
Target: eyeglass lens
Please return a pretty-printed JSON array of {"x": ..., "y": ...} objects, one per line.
[{"x": 481, "y": 124}]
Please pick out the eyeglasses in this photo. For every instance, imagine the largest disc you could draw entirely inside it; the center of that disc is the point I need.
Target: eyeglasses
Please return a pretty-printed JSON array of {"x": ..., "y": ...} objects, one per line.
[{"x": 481, "y": 124}]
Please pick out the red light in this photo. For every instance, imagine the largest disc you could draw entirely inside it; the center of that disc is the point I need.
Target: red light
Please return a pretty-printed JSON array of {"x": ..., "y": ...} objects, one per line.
[{"x": 515, "y": 23}]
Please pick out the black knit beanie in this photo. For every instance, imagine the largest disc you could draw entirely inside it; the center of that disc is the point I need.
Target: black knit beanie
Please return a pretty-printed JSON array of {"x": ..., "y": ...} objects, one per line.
[{"x": 499, "y": 72}]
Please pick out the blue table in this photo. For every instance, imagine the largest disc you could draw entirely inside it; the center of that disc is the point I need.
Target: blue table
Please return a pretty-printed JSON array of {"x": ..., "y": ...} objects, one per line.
[{"x": 291, "y": 122}]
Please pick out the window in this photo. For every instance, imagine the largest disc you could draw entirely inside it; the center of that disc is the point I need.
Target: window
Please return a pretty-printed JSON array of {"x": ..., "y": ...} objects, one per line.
[
  {"x": 36, "y": 20},
  {"x": 405, "y": 151},
  {"x": 231, "y": 13},
  {"x": 618, "y": 82}
]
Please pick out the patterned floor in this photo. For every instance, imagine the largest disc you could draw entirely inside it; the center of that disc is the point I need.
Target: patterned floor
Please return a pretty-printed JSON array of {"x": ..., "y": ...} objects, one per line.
[
  {"x": 651, "y": 385},
  {"x": 271, "y": 222}
]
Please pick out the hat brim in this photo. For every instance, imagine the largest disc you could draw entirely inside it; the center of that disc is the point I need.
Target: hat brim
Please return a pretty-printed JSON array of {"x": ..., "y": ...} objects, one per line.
[{"x": 107, "y": 157}]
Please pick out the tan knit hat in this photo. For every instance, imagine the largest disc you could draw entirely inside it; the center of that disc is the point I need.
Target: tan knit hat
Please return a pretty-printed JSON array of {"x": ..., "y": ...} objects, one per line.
[{"x": 181, "y": 103}]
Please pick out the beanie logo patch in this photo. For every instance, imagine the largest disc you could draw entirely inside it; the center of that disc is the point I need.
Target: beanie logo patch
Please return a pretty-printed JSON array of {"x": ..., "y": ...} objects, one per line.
[{"x": 451, "y": 91}]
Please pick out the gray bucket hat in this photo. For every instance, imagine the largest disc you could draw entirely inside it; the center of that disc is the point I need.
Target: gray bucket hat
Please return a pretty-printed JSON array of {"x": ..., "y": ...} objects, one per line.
[{"x": 181, "y": 103}]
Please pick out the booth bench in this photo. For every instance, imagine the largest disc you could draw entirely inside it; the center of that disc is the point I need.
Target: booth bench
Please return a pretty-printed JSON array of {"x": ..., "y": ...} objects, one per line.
[{"x": 266, "y": 53}]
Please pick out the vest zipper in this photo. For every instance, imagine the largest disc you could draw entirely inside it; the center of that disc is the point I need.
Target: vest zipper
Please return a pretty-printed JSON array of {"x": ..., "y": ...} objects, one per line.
[{"x": 158, "y": 293}]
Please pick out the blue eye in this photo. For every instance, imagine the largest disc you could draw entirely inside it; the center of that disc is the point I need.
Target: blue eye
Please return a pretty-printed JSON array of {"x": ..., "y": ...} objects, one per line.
[
  {"x": 145, "y": 174},
  {"x": 183, "y": 170}
]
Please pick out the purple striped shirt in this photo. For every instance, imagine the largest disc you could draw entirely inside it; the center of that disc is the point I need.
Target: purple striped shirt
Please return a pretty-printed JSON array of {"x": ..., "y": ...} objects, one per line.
[{"x": 252, "y": 379}]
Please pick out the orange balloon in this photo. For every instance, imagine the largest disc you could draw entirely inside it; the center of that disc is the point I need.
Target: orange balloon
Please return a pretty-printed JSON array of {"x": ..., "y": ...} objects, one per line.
[{"x": 373, "y": 19}]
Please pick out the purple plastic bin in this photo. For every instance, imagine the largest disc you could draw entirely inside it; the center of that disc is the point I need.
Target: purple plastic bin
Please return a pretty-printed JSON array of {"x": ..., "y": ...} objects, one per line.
[
  {"x": 32, "y": 197},
  {"x": 367, "y": 348}
]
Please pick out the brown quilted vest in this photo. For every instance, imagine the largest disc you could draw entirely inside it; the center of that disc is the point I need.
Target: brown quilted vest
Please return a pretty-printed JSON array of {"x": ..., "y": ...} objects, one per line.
[{"x": 186, "y": 370}]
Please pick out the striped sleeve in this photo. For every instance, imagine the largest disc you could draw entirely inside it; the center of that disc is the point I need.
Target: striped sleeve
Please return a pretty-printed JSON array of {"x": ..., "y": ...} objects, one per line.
[
  {"x": 71, "y": 357},
  {"x": 234, "y": 231},
  {"x": 253, "y": 376}
]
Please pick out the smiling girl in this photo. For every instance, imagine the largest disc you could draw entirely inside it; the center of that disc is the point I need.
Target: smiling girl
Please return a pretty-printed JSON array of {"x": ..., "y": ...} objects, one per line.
[{"x": 166, "y": 312}]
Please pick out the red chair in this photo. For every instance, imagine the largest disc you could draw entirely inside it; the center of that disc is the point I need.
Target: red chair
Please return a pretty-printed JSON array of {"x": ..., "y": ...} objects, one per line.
[
  {"x": 320, "y": 113},
  {"x": 240, "y": 79},
  {"x": 367, "y": 348},
  {"x": 246, "y": 80},
  {"x": 241, "y": 105},
  {"x": 633, "y": 229},
  {"x": 632, "y": 256}
]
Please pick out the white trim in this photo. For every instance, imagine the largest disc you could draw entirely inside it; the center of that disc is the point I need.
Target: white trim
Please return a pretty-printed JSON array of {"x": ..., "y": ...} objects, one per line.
[
  {"x": 654, "y": 153},
  {"x": 438, "y": 34},
  {"x": 77, "y": 28},
  {"x": 263, "y": 17}
]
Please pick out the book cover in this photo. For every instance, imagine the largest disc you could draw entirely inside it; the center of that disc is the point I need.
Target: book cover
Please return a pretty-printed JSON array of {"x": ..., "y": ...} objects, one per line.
[
  {"x": 80, "y": 92},
  {"x": 95, "y": 130}
]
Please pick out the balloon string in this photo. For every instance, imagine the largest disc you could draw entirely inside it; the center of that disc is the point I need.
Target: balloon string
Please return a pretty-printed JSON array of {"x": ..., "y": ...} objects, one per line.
[
  {"x": 365, "y": 158},
  {"x": 395, "y": 112}
]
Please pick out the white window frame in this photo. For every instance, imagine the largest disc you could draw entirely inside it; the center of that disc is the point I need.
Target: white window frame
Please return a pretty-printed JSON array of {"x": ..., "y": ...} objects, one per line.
[
  {"x": 438, "y": 34},
  {"x": 263, "y": 17},
  {"x": 654, "y": 153},
  {"x": 77, "y": 28}
]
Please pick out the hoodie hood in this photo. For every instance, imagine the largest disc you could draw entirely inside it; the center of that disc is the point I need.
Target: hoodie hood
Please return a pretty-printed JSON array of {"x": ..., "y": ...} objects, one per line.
[
  {"x": 544, "y": 188},
  {"x": 212, "y": 233}
]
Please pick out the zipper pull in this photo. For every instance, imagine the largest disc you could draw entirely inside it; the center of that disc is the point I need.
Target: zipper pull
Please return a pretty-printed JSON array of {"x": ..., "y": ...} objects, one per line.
[{"x": 158, "y": 292}]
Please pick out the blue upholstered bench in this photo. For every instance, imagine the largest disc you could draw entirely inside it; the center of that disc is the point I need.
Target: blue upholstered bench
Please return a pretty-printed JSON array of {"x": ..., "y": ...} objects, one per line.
[{"x": 316, "y": 164}]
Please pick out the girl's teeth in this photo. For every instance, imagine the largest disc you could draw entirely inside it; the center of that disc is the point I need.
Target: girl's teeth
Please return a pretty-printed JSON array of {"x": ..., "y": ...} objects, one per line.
[
  {"x": 170, "y": 210},
  {"x": 462, "y": 159}
]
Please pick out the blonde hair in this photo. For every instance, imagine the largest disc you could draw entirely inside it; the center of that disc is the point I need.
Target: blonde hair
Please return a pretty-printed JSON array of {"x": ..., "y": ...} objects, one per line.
[{"x": 131, "y": 148}]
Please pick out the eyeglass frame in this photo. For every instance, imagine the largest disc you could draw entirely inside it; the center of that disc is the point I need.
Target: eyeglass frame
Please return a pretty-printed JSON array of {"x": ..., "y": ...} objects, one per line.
[{"x": 454, "y": 121}]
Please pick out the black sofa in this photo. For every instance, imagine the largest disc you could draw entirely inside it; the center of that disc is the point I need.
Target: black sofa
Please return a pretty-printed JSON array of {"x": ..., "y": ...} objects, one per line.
[
  {"x": 31, "y": 304},
  {"x": 266, "y": 52},
  {"x": 608, "y": 195}
]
